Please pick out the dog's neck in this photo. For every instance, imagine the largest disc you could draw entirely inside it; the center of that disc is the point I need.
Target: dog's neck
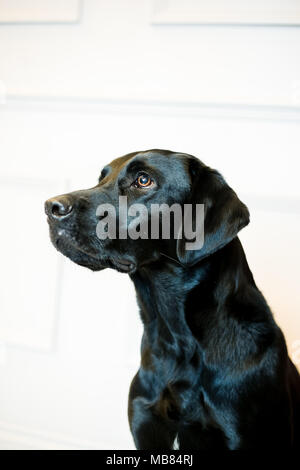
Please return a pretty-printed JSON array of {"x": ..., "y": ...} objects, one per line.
[
  {"x": 161, "y": 294},
  {"x": 165, "y": 289}
]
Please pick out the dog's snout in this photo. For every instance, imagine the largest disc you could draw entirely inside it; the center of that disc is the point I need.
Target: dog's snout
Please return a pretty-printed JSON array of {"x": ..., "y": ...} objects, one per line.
[{"x": 59, "y": 207}]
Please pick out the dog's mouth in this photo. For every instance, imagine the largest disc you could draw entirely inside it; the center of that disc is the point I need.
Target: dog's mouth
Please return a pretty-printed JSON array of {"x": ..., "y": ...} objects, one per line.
[
  {"x": 70, "y": 247},
  {"x": 123, "y": 265}
]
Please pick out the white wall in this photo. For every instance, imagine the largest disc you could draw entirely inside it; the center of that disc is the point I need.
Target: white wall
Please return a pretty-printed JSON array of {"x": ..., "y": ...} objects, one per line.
[{"x": 79, "y": 95}]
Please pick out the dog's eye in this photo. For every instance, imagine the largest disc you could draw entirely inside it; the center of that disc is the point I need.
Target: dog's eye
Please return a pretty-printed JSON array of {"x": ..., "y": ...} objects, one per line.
[{"x": 143, "y": 181}]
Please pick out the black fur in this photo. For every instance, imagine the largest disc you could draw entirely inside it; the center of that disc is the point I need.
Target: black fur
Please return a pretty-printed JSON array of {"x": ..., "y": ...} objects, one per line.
[{"x": 215, "y": 372}]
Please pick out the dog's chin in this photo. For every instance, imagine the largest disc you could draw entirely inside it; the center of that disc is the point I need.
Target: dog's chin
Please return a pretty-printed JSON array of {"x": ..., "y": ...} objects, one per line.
[
  {"x": 70, "y": 248},
  {"x": 67, "y": 246}
]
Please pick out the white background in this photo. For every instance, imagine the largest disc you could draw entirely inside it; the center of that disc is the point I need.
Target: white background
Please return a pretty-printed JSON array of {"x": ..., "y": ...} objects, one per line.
[{"x": 104, "y": 79}]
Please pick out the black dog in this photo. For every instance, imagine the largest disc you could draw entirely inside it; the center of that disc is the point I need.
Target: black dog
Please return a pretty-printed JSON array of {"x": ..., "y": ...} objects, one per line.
[{"x": 215, "y": 373}]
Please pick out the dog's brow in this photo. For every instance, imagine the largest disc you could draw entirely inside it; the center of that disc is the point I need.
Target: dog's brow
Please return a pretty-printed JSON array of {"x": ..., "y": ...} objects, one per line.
[
  {"x": 104, "y": 172},
  {"x": 136, "y": 165}
]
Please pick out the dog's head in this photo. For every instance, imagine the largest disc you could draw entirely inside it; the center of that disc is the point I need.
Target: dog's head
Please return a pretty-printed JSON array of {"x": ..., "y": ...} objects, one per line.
[{"x": 109, "y": 225}]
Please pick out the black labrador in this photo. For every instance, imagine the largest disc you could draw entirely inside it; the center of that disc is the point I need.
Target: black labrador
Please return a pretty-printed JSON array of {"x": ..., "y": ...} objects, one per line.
[{"x": 215, "y": 372}]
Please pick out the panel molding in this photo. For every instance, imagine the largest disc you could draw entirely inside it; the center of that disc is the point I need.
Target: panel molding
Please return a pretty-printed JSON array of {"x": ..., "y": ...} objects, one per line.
[
  {"x": 14, "y": 12},
  {"x": 37, "y": 332},
  {"x": 226, "y": 12},
  {"x": 153, "y": 107}
]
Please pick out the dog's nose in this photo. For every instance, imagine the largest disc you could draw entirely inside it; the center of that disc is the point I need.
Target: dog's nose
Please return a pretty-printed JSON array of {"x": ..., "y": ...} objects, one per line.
[{"x": 58, "y": 207}]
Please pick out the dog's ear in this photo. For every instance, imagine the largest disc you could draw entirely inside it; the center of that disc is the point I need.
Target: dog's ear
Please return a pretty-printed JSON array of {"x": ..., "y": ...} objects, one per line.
[{"x": 224, "y": 214}]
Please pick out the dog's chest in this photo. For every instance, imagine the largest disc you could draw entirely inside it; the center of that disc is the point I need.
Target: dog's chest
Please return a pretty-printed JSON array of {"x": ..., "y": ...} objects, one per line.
[{"x": 178, "y": 394}]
